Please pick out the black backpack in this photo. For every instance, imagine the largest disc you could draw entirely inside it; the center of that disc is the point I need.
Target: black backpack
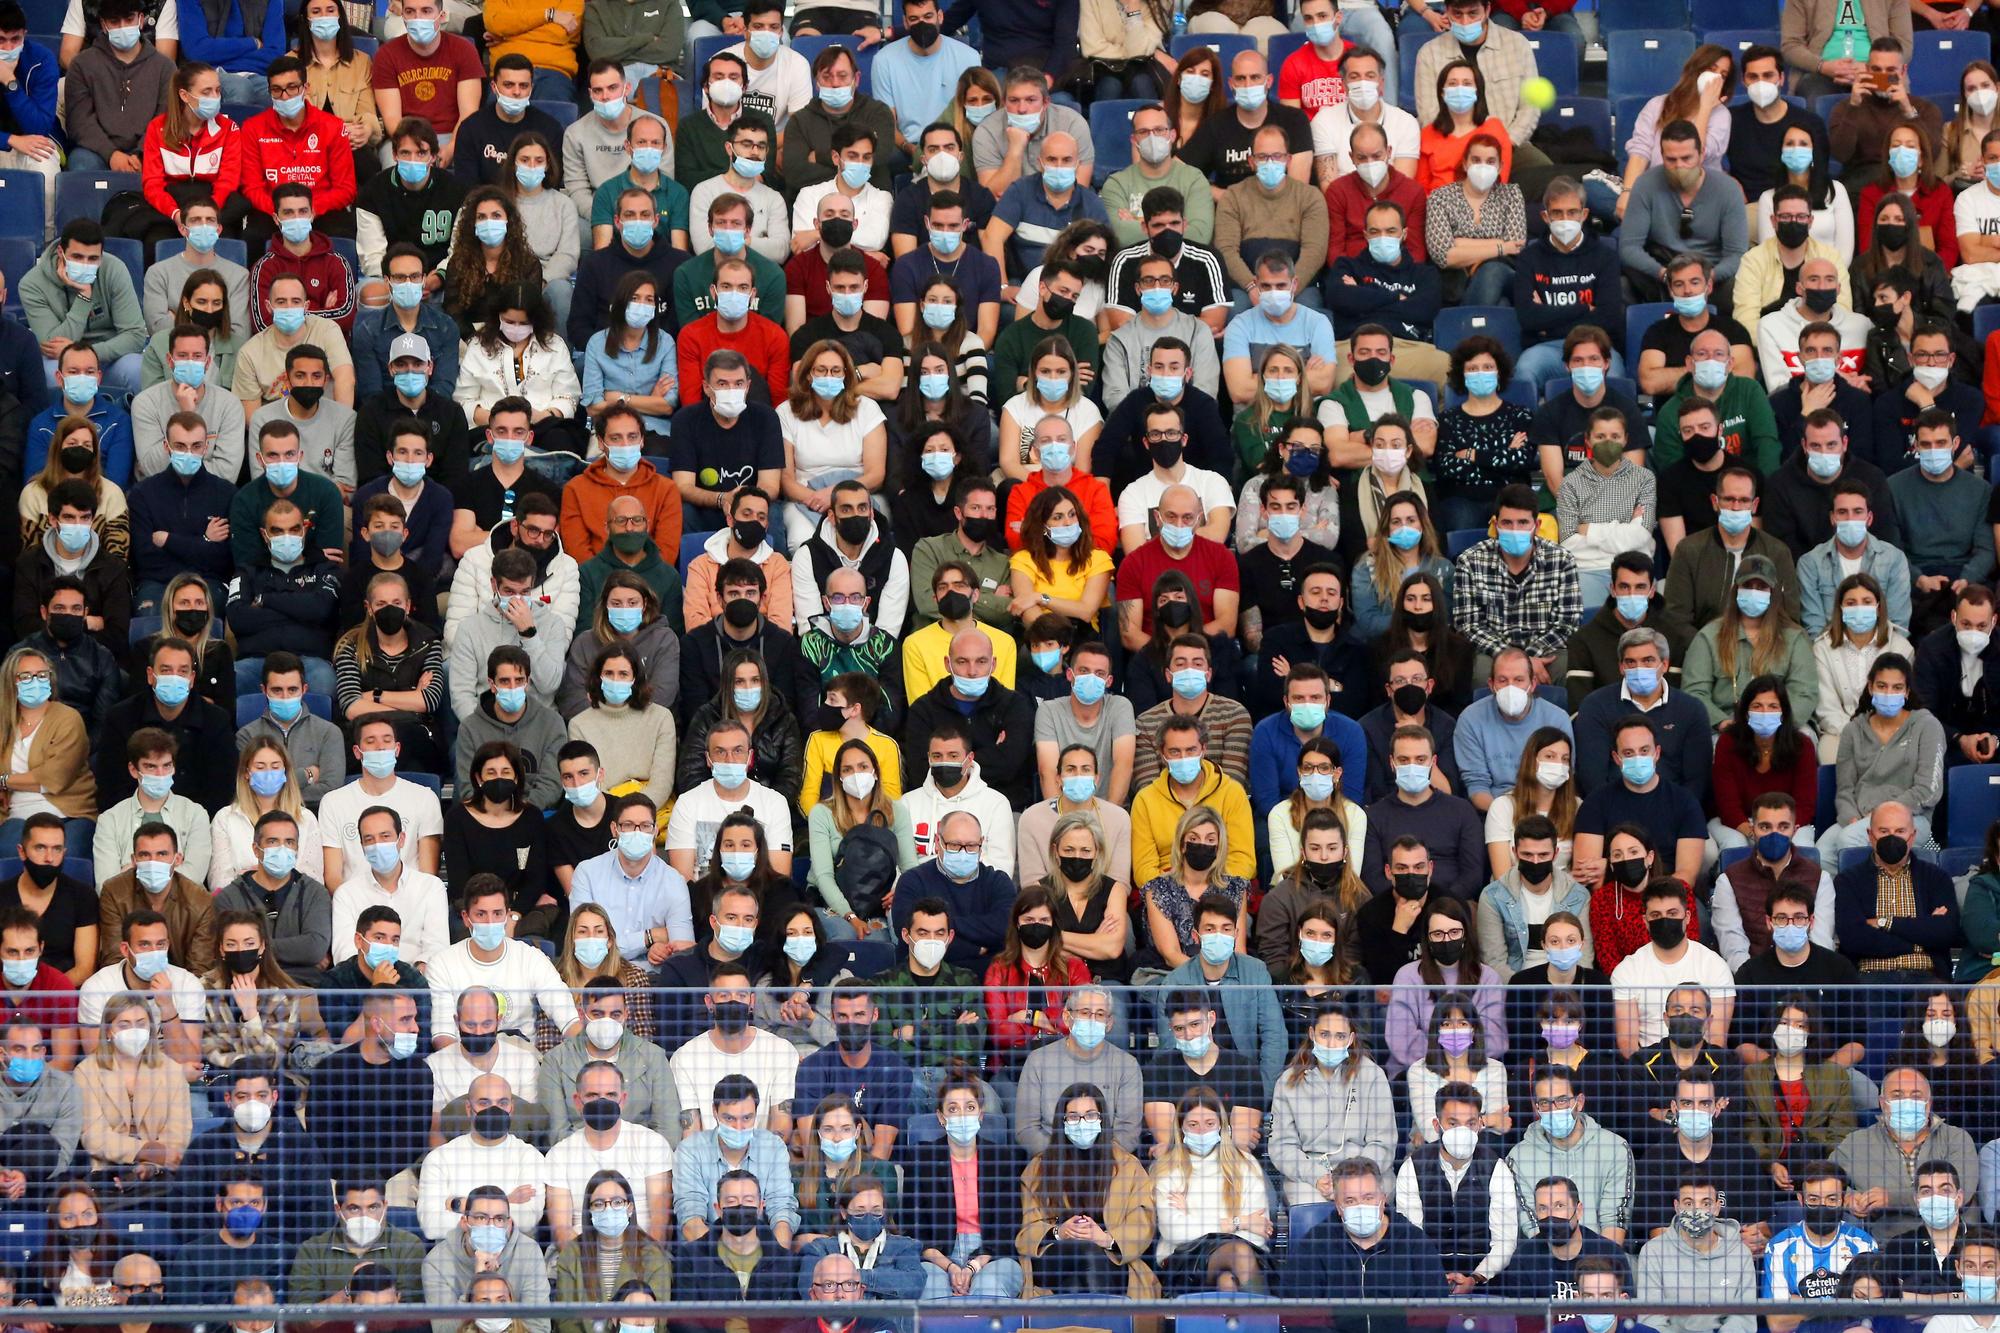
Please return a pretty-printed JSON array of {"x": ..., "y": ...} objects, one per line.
[{"x": 865, "y": 868}]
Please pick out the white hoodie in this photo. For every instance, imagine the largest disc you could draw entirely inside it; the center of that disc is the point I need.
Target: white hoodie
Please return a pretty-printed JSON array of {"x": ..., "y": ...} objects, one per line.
[
  {"x": 890, "y": 606},
  {"x": 927, "y": 805},
  {"x": 560, "y": 588}
]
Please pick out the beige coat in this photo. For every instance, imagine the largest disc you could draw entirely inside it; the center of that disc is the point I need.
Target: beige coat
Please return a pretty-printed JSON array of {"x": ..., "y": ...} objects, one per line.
[
  {"x": 1128, "y": 1217},
  {"x": 116, "y": 1124},
  {"x": 59, "y": 758}
]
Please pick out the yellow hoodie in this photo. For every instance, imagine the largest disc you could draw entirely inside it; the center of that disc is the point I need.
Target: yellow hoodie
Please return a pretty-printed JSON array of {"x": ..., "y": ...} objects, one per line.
[{"x": 1156, "y": 812}]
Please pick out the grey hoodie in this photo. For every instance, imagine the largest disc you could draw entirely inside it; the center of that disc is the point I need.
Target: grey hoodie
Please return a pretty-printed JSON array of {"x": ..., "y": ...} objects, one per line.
[
  {"x": 109, "y": 103},
  {"x": 1908, "y": 770},
  {"x": 1672, "y": 1271},
  {"x": 448, "y": 1276},
  {"x": 51, "y": 1104},
  {"x": 538, "y": 735},
  {"x": 486, "y": 629},
  {"x": 1600, "y": 1163}
]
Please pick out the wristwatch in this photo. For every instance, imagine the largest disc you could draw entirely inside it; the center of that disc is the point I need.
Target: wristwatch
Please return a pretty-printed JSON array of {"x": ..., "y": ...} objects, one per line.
[
  {"x": 1046, "y": 601},
  {"x": 378, "y": 696}
]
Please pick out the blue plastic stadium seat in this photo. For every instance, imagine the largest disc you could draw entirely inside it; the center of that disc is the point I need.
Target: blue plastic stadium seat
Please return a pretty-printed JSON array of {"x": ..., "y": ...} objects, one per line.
[
  {"x": 1456, "y": 324},
  {"x": 365, "y": 43},
  {"x": 1615, "y": 16},
  {"x": 18, "y": 254},
  {"x": 560, "y": 111},
  {"x": 1985, "y": 319},
  {"x": 1645, "y": 60},
  {"x": 811, "y": 46},
  {"x": 704, "y": 49},
  {"x": 130, "y": 253},
  {"x": 1227, "y": 45},
  {"x": 1557, "y": 59},
  {"x": 691, "y": 544},
  {"x": 1111, "y": 134},
  {"x": 1711, "y": 16},
  {"x": 82, "y": 194},
  {"x": 21, "y": 1236},
  {"x": 1972, "y": 802},
  {"x": 1303, "y": 1218},
  {"x": 1739, "y": 40},
  {"x": 1591, "y": 113},
  {"x": 45, "y": 15},
  {"x": 1637, "y": 319},
  {"x": 1460, "y": 540},
  {"x": 23, "y": 206},
  {"x": 1279, "y": 48},
  {"x": 1940, "y": 57},
  {"x": 1958, "y": 861}
]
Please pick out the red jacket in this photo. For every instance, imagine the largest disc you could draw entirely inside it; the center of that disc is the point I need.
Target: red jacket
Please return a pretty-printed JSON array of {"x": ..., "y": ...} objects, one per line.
[
  {"x": 1007, "y": 993},
  {"x": 315, "y": 155},
  {"x": 329, "y": 282},
  {"x": 760, "y": 341},
  {"x": 1618, "y": 924},
  {"x": 214, "y": 156},
  {"x": 1347, "y": 205}
]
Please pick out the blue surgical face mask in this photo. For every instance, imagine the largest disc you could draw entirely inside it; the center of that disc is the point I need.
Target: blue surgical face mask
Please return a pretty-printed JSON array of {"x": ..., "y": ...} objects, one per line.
[
  {"x": 1482, "y": 383},
  {"x": 854, "y": 175},
  {"x": 1888, "y": 705},
  {"x": 1981, "y": 1290},
  {"x": 326, "y": 28},
  {"x": 1858, "y": 619},
  {"x": 638, "y": 233},
  {"x": 945, "y": 243},
  {"x": 287, "y": 548},
  {"x": 959, "y": 865},
  {"x": 79, "y": 389},
  {"x": 764, "y": 44},
  {"x": 490, "y": 231},
  {"x": 1642, "y": 681},
  {"x": 1201, "y": 1145},
  {"x": 1733, "y": 521},
  {"x": 1766, "y": 724},
  {"x": 488, "y": 935},
  {"x": 1850, "y": 532},
  {"x": 1156, "y": 300},
  {"x": 202, "y": 236},
  {"x": 1185, "y": 769},
  {"x": 509, "y": 451},
  {"x": 406, "y": 295},
  {"x": 291, "y": 108},
  {"x": 1283, "y": 527},
  {"x": 1056, "y": 456},
  {"x": 1216, "y": 948},
  {"x": 1515, "y": 542},
  {"x": 730, "y": 776},
  {"x": 23, "y": 1069},
  {"x": 157, "y": 786},
  {"x": 1077, "y": 789},
  {"x": 1176, "y": 536},
  {"x": 412, "y": 174},
  {"x": 1083, "y": 1133},
  {"x": 1194, "y": 1048},
  {"x": 194, "y": 374},
  {"x": 1315, "y": 953},
  {"x": 32, "y": 693},
  {"x": 1638, "y": 769},
  {"x": 511, "y": 107},
  {"x": 611, "y": 108},
  {"x": 1690, "y": 307},
  {"x": 801, "y": 948},
  {"x": 206, "y": 109},
  {"x": 288, "y": 319},
  {"x": 1753, "y": 602},
  {"x": 1329, "y": 1057},
  {"x": 972, "y": 687},
  {"x": 646, "y": 159},
  {"x": 1316, "y": 786},
  {"x": 1412, "y": 778},
  {"x": 1047, "y": 660},
  {"x": 1195, "y": 88},
  {"x": 1271, "y": 175},
  {"x": 1281, "y": 390},
  {"x": 1274, "y": 304},
  {"x": 939, "y": 314},
  {"x": 378, "y": 763},
  {"x": 172, "y": 690},
  {"x": 622, "y": 458},
  {"x": 732, "y": 306},
  {"x": 268, "y": 782},
  {"x": 828, "y": 386},
  {"x": 1695, "y": 1124},
  {"x": 411, "y": 383},
  {"x": 735, "y": 939},
  {"x": 1460, "y": 99},
  {"x": 407, "y": 472},
  {"x": 1791, "y": 939},
  {"x": 1559, "y": 1124},
  {"x": 512, "y": 699},
  {"x": 624, "y": 619},
  {"x": 961, "y": 1129},
  {"x": 635, "y": 844},
  {"x": 1902, "y": 161},
  {"x": 530, "y": 178},
  {"x": 1190, "y": 683},
  {"x": 1586, "y": 380},
  {"x": 1634, "y": 607},
  {"x": 936, "y": 466},
  {"x": 590, "y": 951},
  {"x": 485, "y": 1238},
  {"x": 1405, "y": 538},
  {"x": 1799, "y": 157},
  {"x": 1565, "y": 960},
  {"x": 845, "y": 617},
  {"x": 1167, "y": 388},
  {"x": 1253, "y": 97},
  {"x": 846, "y": 304},
  {"x": 1710, "y": 374},
  {"x": 383, "y": 857},
  {"x": 1823, "y": 466},
  {"x": 1937, "y": 1211},
  {"x": 1308, "y": 717}
]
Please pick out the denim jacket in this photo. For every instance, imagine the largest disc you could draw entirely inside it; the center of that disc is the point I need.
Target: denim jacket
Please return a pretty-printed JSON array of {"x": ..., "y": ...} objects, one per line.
[{"x": 1503, "y": 922}]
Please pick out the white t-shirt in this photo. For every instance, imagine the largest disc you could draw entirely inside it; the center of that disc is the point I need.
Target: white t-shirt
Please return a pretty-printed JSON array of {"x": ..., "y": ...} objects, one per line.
[
  {"x": 340, "y": 823},
  {"x": 698, "y": 816},
  {"x": 419, "y": 900},
  {"x": 452, "y": 1071},
  {"x": 100, "y": 986},
  {"x": 1334, "y": 125},
  {"x": 1030, "y": 299},
  {"x": 450, "y": 1171},
  {"x": 772, "y": 1063},
  {"x": 871, "y": 214},
  {"x": 522, "y": 977},
  {"x": 1643, "y": 979},
  {"x": 1138, "y": 500},
  {"x": 1083, "y": 415},
  {"x": 1500, "y": 828},
  {"x": 638, "y": 1155},
  {"x": 785, "y": 86},
  {"x": 822, "y": 447},
  {"x": 1977, "y": 210},
  {"x": 168, "y": 29}
]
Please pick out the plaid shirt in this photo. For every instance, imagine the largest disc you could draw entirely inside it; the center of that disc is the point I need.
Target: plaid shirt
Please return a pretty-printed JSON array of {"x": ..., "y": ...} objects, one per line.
[
  {"x": 932, "y": 1006},
  {"x": 1505, "y": 61},
  {"x": 1896, "y": 896},
  {"x": 1537, "y": 611}
]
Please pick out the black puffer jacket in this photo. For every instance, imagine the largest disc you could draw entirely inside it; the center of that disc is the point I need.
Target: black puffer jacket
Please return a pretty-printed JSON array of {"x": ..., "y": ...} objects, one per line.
[{"x": 779, "y": 760}]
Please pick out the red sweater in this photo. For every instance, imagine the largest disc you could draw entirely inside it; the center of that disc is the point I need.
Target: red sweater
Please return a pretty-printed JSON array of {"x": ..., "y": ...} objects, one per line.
[
  {"x": 1347, "y": 205},
  {"x": 329, "y": 282},
  {"x": 1007, "y": 993},
  {"x": 314, "y": 155},
  {"x": 1934, "y": 210},
  {"x": 1618, "y": 924},
  {"x": 760, "y": 341},
  {"x": 1737, "y": 784},
  {"x": 213, "y": 157}
]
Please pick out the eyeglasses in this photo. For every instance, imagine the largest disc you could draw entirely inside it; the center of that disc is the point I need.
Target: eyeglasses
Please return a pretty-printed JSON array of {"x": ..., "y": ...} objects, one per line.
[
  {"x": 1446, "y": 936},
  {"x": 846, "y": 1288}
]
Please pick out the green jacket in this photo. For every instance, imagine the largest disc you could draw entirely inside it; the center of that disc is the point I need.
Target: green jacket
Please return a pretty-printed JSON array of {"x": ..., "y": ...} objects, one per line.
[
  {"x": 1014, "y": 350},
  {"x": 1703, "y": 677},
  {"x": 991, "y": 606},
  {"x": 699, "y": 150},
  {"x": 659, "y": 574},
  {"x": 634, "y": 33},
  {"x": 569, "y": 1282},
  {"x": 694, "y": 277},
  {"x": 112, "y": 320},
  {"x": 1749, "y": 431},
  {"x": 324, "y": 1262},
  {"x": 932, "y": 1006}
]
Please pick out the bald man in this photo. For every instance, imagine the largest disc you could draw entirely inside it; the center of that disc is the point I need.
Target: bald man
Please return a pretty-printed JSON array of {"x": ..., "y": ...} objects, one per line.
[
  {"x": 1895, "y": 914},
  {"x": 1035, "y": 208},
  {"x": 997, "y": 723},
  {"x": 489, "y": 1154},
  {"x": 1221, "y": 148}
]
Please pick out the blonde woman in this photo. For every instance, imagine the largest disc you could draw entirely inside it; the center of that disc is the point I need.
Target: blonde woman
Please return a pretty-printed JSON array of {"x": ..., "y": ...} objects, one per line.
[
  {"x": 1280, "y": 398},
  {"x": 1321, "y": 966},
  {"x": 1756, "y": 635},
  {"x": 136, "y": 1117},
  {"x": 976, "y": 97},
  {"x": 255, "y": 1011},
  {"x": 1319, "y": 773},
  {"x": 1544, "y": 784},
  {"x": 1054, "y": 389},
  {"x": 832, "y": 433},
  {"x": 590, "y": 953},
  {"x": 1856, "y": 634},
  {"x": 1961, "y": 158},
  {"x": 1208, "y": 1199},
  {"x": 1088, "y": 902},
  {"x": 1332, "y": 1102},
  {"x": 264, "y": 782},
  {"x": 188, "y": 612},
  {"x": 860, "y": 796},
  {"x": 491, "y": 1289},
  {"x": 1196, "y": 864},
  {"x": 74, "y": 456},
  {"x": 205, "y": 302},
  {"x": 1326, "y": 867},
  {"x": 46, "y": 749},
  {"x": 839, "y": 1155},
  {"x": 1392, "y": 468},
  {"x": 1402, "y": 543}
]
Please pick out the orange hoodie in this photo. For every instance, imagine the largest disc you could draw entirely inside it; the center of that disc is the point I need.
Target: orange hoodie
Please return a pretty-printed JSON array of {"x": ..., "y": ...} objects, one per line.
[{"x": 586, "y": 506}]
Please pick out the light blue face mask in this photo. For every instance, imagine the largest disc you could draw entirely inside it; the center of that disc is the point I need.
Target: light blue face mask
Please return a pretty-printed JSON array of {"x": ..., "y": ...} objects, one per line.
[
  {"x": 1166, "y": 388},
  {"x": 79, "y": 389},
  {"x": 934, "y": 388},
  {"x": 1316, "y": 786},
  {"x": 1216, "y": 948},
  {"x": 1077, "y": 789},
  {"x": 406, "y": 295},
  {"x": 485, "y": 1238},
  {"x": 1329, "y": 1057},
  {"x": 73, "y": 537},
  {"x": 961, "y": 1129},
  {"x": 750, "y": 168},
  {"x": 325, "y": 28},
  {"x": 1642, "y": 681},
  {"x": 383, "y": 857},
  {"x": 1405, "y": 538},
  {"x": 611, "y": 108},
  {"x": 1283, "y": 527},
  {"x": 1565, "y": 960},
  {"x": 845, "y": 617},
  {"x": 801, "y": 948},
  {"x": 1047, "y": 660},
  {"x": 32, "y": 693},
  {"x": 1156, "y": 301},
  {"x": 1468, "y": 33},
  {"x": 835, "y": 1150},
  {"x": 1083, "y": 1133},
  {"x": 938, "y": 314},
  {"x": 1599, "y": 1323},
  {"x": 1089, "y": 1033},
  {"x": 378, "y": 763},
  {"x": 1195, "y": 88},
  {"x": 1201, "y": 1145},
  {"x": 591, "y": 952},
  {"x": 1902, "y": 161},
  {"x": 828, "y": 386},
  {"x": 735, "y": 939},
  {"x": 1059, "y": 180},
  {"x": 1858, "y": 619},
  {"x": 730, "y": 776},
  {"x": 1308, "y": 717},
  {"x": 202, "y": 236},
  {"x": 1185, "y": 769},
  {"x": 512, "y": 699},
  {"x": 622, "y": 458},
  {"x": 1766, "y": 724},
  {"x": 638, "y": 234},
  {"x": 408, "y": 473},
  {"x": 625, "y": 619},
  {"x": 1190, "y": 683},
  {"x": 1482, "y": 383},
  {"x": 1690, "y": 307},
  {"x": 959, "y": 865},
  {"x": 610, "y": 1223},
  {"x": 1176, "y": 536},
  {"x": 184, "y": 464},
  {"x": 1559, "y": 1124},
  {"x": 530, "y": 178},
  {"x": 1587, "y": 380},
  {"x": 411, "y": 383},
  {"x": 194, "y": 374},
  {"x": 1799, "y": 157},
  {"x": 21, "y": 972},
  {"x": 172, "y": 691},
  {"x": 1980, "y": 1290},
  {"x": 1271, "y": 175},
  {"x": 490, "y": 231},
  {"x": 288, "y": 319},
  {"x": 1056, "y": 456},
  {"x": 1638, "y": 769},
  {"x": 510, "y": 107},
  {"x": 1634, "y": 607},
  {"x": 646, "y": 159},
  {"x": 616, "y": 692},
  {"x": 764, "y": 44},
  {"x": 290, "y": 108},
  {"x": 487, "y": 935},
  {"x": 972, "y": 687},
  {"x": 1253, "y": 97},
  {"x": 732, "y": 306},
  {"x": 509, "y": 451},
  {"x": 856, "y": 174},
  {"x": 206, "y": 109},
  {"x": 157, "y": 786},
  {"x": 846, "y": 304},
  {"x": 1710, "y": 374},
  {"x": 1888, "y": 705},
  {"x": 836, "y": 99},
  {"x": 1385, "y": 249},
  {"x": 635, "y": 844},
  {"x": 1937, "y": 1211},
  {"x": 1753, "y": 602},
  {"x": 945, "y": 243},
  {"x": 1460, "y": 99},
  {"x": 1515, "y": 542},
  {"x": 412, "y": 174},
  {"x": 287, "y": 548},
  {"x": 1274, "y": 304},
  {"x": 1733, "y": 521},
  {"x": 1696, "y": 1124}
]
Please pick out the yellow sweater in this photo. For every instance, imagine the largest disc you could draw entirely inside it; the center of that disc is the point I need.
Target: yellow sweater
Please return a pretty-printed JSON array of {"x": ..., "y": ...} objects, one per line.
[
  {"x": 822, "y": 746},
  {"x": 1156, "y": 812},
  {"x": 523, "y": 26},
  {"x": 924, "y": 654}
]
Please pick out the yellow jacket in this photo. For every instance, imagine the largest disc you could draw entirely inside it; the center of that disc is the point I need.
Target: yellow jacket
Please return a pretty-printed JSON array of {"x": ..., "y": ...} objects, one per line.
[
  {"x": 822, "y": 746},
  {"x": 1156, "y": 812},
  {"x": 1761, "y": 275},
  {"x": 524, "y": 26},
  {"x": 924, "y": 654}
]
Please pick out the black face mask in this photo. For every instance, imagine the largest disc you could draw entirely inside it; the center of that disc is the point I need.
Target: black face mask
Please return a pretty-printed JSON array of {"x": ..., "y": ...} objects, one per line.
[
  {"x": 1371, "y": 370},
  {"x": 1448, "y": 953},
  {"x": 1666, "y": 932},
  {"x": 190, "y": 623},
  {"x": 41, "y": 876},
  {"x": 600, "y": 1113},
  {"x": 1683, "y": 1030},
  {"x": 499, "y": 791},
  {"x": 827, "y": 718},
  {"x": 854, "y": 528},
  {"x": 1536, "y": 872},
  {"x": 1075, "y": 869},
  {"x": 1167, "y": 243},
  {"x": 242, "y": 962},
  {"x": 837, "y": 232},
  {"x": 391, "y": 619},
  {"x": 947, "y": 776},
  {"x": 1200, "y": 855},
  {"x": 64, "y": 627},
  {"x": 1420, "y": 621},
  {"x": 1058, "y": 308},
  {"x": 1035, "y": 934},
  {"x": 493, "y": 1122},
  {"x": 739, "y": 1220},
  {"x": 1822, "y": 1218},
  {"x": 1894, "y": 236},
  {"x": 740, "y": 612},
  {"x": 1819, "y": 300},
  {"x": 1882, "y": 313},
  {"x": 1558, "y": 1230},
  {"x": 1410, "y": 886},
  {"x": 205, "y": 319},
  {"x": 749, "y": 533},
  {"x": 954, "y": 606},
  {"x": 1891, "y": 848},
  {"x": 981, "y": 530},
  {"x": 307, "y": 395},
  {"x": 1175, "y": 615},
  {"x": 77, "y": 458},
  {"x": 1701, "y": 448},
  {"x": 1630, "y": 872},
  {"x": 1791, "y": 234},
  {"x": 731, "y": 1018},
  {"x": 146, "y": 1298},
  {"x": 1409, "y": 699},
  {"x": 853, "y": 1036},
  {"x": 1323, "y": 873},
  {"x": 925, "y": 35},
  {"x": 1166, "y": 453},
  {"x": 478, "y": 1043},
  {"x": 1320, "y": 618}
]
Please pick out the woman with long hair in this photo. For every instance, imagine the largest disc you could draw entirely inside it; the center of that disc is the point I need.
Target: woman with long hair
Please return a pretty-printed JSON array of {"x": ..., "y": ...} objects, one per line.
[
  {"x": 1404, "y": 544},
  {"x": 1321, "y": 768},
  {"x": 934, "y": 465},
  {"x": 188, "y": 612},
  {"x": 635, "y": 738},
  {"x": 1087, "y": 900},
  {"x": 1461, "y": 114},
  {"x": 1562, "y": 1022},
  {"x": 741, "y": 863},
  {"x": 48, "y": 746},
  {"x": 1393, "y": 460},
  {"x": 747, "y": 695},
  {"x": 78, "y": 1253},
  {"x": 1318, "y": 865},
  {"x": 1421, "y": 623},
  {"x": 832, "y": 434},
  {"x": 136, "y": 1116},
  {"x": 340, "y": 78},
  {"x": 489, "y": 251},
  {"x": 1086, "y": 246},
  {"x": 1801, "y": 1103},
  {"x": 589, "y": 953},
  {"x": 1755, "y": 636},
  {"x": 1481, "y": 442},
  {"x": 192, "y": 152},
  {"x": 1200, "y": 851},
  {"x": 1914, "y": 170},
  {"x": 975, "y": 97},
  {"x": 1456, "y": 1052},
  {"x": 1298, "y": 452},
  {"x": 1124, "y": 51},
  {"x": 936, "y": 395},
  {"x": 1937, "y": 1039},
  {"x": 1895, "y": 242},
  {"x": 796, "y": 968},
  {"x": 1891, "y": 750},
  {"x": 1054, "y": 389},
  {"x": 1026, "y": 984},
  {"x": 1700, "y": 96},
  {"x": 73, "y": 455},
  {"x": 1447, "y": 961},
  {"x": 1544, "y": 784},
  {"x": 1279, "y": 399},
  {"x": 1087, "y": 1209},
  {"x": 1762, "y": 749},
  {"x": 630, "y": 615},
  {"x": 531, "y": 178},
  {"x": 1961, "y": 158},
  {"x": 1617, "y": 904},
  {"x": 839, "y": 1159},
  {"x": 1199, "y": 89},
  {"x": 950, "y": 323},
  {"x": 205, "y": 303},
  {"x": 1475, "y": 226},
  {"x": 630, "y": 361},
  {"x": 517, "y": 353},
  {"x": 1321, "y": 965},
  {"x": 606, "y": 1250},
  {"x": 493, "y": 828},
  {"x": 859, "y": 796},
  {"x": 1208, "y": 1198},
  {"x": 1858, "y": 631},
  {"x": 1332, "y": 1102},
  {"x": 264, "y": 782},
  {"x": 1056, "y": 566},
  {"x": 850, "y": 706},
  {"x": 391, "y": 665},
  {"x": 255, "y": 1012},
  {"x": 964, "y": 1175}
]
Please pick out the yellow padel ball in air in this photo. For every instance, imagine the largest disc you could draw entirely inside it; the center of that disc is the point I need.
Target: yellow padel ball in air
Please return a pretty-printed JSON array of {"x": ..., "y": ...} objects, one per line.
[
  {"x": 1539, "y": 94},
  {"x": 709, "y": 477}
]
